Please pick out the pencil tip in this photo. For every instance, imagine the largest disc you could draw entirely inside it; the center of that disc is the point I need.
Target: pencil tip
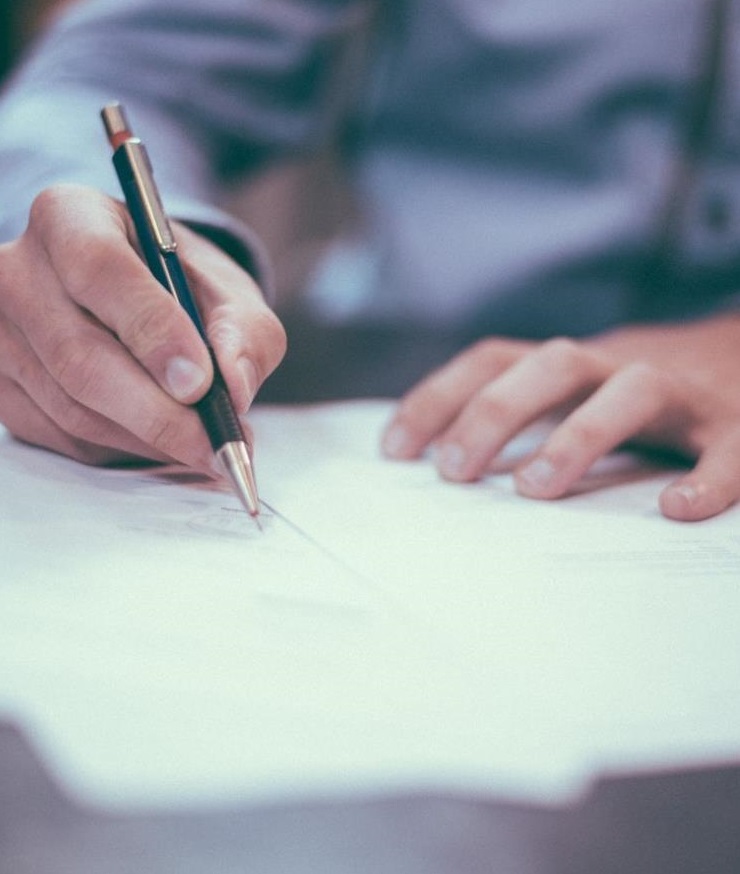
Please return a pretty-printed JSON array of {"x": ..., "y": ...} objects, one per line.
[{"x": 238, "y": 466}]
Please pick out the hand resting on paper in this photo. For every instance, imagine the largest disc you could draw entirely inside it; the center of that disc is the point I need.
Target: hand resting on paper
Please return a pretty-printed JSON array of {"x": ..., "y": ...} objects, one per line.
[
  {"x": 675, "y": 387},
  {"x": 97, "y": 360}
]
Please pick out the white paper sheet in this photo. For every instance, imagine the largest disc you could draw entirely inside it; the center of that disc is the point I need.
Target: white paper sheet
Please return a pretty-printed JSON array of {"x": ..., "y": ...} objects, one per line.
[{"x": 384, "y": 629}]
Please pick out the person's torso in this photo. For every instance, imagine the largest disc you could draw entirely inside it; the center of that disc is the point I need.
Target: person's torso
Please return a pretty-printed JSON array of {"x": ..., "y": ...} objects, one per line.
[{"x": 517, "y": 155}]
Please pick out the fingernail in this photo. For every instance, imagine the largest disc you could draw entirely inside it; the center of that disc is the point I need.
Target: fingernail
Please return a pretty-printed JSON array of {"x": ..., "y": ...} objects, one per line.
[
  {"x": 536, "y": 477},
  {"x": 687, "y": 492},
  {"x": 183, "y": 377},
  {"x": 249, "y": 378},
  {"x": 678, "y": 500},
  {"x": 451, "y": 460},
  {"x": 396, "y": 442}
]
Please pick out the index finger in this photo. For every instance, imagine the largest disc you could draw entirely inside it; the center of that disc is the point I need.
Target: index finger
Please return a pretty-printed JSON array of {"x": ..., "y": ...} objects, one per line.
[
  {"x": 87, "y": 239},
  {"x": 429, "y": 408}
]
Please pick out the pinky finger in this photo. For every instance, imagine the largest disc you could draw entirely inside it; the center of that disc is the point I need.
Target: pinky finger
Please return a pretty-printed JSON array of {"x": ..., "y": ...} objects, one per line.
[
  {"x": 29, "y": 424},
  {"x": 711, "y": 487}
]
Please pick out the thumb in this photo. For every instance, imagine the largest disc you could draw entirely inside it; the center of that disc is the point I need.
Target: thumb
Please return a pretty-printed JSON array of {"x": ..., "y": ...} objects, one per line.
[{"x": 711, "y": 487}]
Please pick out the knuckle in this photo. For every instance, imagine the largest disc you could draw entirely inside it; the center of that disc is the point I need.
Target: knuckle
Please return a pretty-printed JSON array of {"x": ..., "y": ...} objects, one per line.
[
  {"x": 74, "y": 419},
  {"x": 424, "y": 401},
  {"x": 562, "y": 354},
  {"x": 49, "y": 210},
  {"x": 490, "y": 407},
  {"x": 45, "y": 206},
  {"x": 76, "y": 364},
  {"x": 435, "y": 389},
  {"x": 647, "y": 377},
  {"x": 265, "y": 342},
  {"x": 18, "y": 362},
  {"x": 24, "y": 371},
  {"x": 149, "y": 325},
  {"x": 272, "y": 339},
  {"x": 479, "y": 348},
  {"x": 408, "y": 408},
  {"x": 164, "y": 435},
  {"x": 223, "y": 330},
  {"x": 84, "y": 266},
  {"x": 75, "y": 223},
  {"x": 652, "y": 388},
  {"x": 486, "y": 354},
  {"x": 588, "y": 435}
]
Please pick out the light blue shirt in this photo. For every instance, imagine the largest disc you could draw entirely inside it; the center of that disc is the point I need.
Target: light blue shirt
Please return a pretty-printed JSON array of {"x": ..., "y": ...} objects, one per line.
[{"x": 514, "y": 157}]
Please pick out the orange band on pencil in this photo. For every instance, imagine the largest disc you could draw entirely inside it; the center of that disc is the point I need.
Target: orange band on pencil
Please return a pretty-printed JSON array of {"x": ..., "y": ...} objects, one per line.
[{"x": 120, "y": 137}]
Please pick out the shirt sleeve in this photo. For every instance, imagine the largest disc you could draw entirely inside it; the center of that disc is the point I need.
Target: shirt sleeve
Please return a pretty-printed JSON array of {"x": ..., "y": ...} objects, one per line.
[{"x": 215, "y": 90}]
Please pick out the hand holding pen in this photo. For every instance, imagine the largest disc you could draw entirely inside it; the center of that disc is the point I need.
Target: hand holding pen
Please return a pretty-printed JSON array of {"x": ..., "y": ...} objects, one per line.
[{"x": 99, "y": 363}]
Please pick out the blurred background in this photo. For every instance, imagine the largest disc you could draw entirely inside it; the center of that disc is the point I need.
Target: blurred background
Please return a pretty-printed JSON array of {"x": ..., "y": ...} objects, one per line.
[
  {"x": 295, "y": 209},
  {"x": 20, "y": 20}
]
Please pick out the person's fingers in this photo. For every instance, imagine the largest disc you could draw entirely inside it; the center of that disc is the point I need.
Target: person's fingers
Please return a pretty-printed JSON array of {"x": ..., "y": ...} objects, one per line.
[
  {"x": 36, "y": 390},
  {"x": 429, "y": 408},
  {"x": 555, "y": 372},
  {"x": 91, "y": 371},
  {"x": 84, "y": 238},
  {"x": 247, "y": 337},
  {"x": 90, "y": 367},
  {"x": 711, "y": 487},
  {"x": 27, "y": 422},
  {"x": 628, "y": 403},
  {"x": 103, "y": 325}
]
